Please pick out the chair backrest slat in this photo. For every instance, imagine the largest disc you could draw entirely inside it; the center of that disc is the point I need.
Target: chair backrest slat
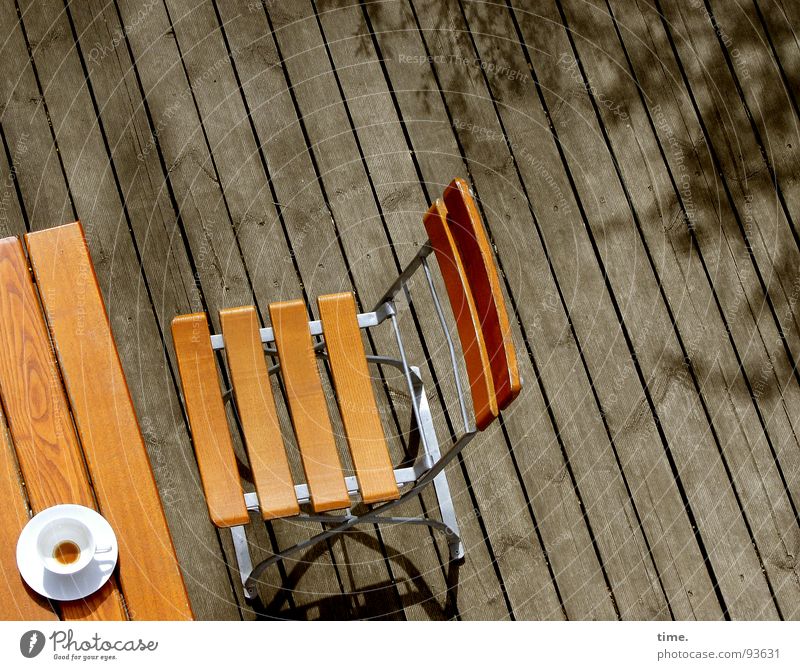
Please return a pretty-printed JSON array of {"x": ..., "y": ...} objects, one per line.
[
  {"x": 107, "y": 425},
  {"x": 465, "y": 312},
  {"x": 308, "y": 407},
  {"x": 356, "y": 398},
  {"x": 256, "y": 406},
  {"x": 210, "y": 432},
  {"x": 473, "y": 245}
]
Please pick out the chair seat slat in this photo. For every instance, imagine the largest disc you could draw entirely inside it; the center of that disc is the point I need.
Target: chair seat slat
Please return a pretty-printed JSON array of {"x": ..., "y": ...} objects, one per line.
[
  {"x": 356, "y": 399},
  {"x": 309, "y": 411},
  {"x": 210, "y": 432},
  {"x": 256, "y": 406}
]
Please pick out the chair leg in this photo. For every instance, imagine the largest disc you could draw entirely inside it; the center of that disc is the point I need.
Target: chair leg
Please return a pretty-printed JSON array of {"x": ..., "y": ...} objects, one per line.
[
  {"x": 442, "y": 488},
  {"x": 244, "y": 561},
  {"x": 440, "y": 483}
]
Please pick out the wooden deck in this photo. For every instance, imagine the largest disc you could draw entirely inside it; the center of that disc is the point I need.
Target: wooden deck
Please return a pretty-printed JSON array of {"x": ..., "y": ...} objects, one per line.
[{"x": 635, "y": 162}]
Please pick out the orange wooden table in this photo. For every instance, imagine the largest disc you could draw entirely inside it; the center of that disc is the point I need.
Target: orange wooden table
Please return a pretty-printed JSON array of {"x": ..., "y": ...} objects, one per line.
[{"x": 68, "y": 420}]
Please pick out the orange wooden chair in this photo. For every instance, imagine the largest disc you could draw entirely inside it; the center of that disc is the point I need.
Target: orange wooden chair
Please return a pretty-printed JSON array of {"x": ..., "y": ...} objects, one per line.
[{"x": 457, "y": 237}]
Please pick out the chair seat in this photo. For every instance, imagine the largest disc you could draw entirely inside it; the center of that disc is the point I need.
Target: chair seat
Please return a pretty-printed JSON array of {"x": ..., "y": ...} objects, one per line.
[{"x": 255, "y": 404}]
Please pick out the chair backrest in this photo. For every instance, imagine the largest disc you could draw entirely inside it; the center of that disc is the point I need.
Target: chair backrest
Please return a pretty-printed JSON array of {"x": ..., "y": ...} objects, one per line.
[{"x": 464, "y": 254}]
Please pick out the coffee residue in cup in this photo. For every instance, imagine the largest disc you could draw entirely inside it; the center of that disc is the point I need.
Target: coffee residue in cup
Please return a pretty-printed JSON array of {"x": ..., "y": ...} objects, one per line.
[{"x": 66, "y": 552}]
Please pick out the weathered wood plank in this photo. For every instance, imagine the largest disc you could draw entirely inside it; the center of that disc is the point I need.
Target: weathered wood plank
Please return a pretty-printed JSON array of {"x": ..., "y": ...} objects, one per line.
[
  {"x": 762, "y": 206},
  {"x": 764, "y": 114},
  {"x": 780, "y": 19},
  {"x": 629, "y": 272},
  {"x": 737, "y": 284},
  {"x": 25, "y": 127},
  {"x": 775, "y": 114},
  {"x": 693, "y": 299},
  {"x": 748, "y": 316},
  {"x": 755, "y": 474}
]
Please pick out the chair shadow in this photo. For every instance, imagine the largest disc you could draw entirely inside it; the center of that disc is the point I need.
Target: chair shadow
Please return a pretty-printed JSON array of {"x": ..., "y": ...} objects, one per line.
[{"x": 375, "y": 601}]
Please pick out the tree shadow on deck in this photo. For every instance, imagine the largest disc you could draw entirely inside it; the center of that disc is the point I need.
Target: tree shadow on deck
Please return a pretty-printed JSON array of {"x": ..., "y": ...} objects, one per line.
[{"x": 376, "y": 601}]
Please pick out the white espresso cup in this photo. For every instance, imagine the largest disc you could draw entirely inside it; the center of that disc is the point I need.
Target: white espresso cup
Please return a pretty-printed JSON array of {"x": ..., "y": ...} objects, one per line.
[{"x": 66, "y": 546}]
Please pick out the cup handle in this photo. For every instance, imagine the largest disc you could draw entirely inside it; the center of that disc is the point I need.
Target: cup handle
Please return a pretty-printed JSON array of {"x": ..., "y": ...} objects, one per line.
[{"x": 103, "y": 549}]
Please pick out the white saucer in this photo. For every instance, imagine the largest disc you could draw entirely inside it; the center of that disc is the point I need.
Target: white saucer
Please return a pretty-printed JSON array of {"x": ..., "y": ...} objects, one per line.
[{"x": 66, "y": 587}]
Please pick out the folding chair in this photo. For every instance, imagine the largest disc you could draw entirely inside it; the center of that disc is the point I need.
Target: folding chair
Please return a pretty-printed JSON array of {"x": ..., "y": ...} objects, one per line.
[{"x": 457, "y": 237}]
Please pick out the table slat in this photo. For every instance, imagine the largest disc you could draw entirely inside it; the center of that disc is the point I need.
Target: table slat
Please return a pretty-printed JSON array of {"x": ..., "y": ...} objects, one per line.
[
  {"x": 112, "y": 442},
  {"x": 17, "y": 601}
]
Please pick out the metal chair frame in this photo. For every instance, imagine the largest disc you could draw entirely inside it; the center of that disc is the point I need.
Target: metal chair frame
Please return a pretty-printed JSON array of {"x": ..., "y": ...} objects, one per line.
[{"x": 428, "y": 466}]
